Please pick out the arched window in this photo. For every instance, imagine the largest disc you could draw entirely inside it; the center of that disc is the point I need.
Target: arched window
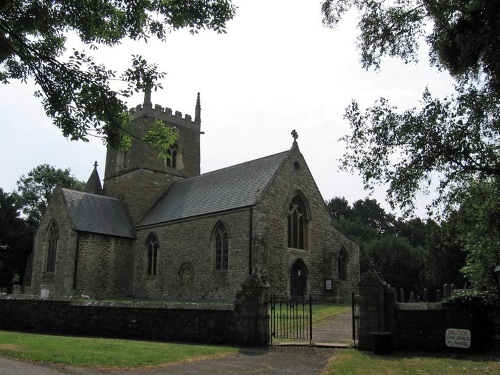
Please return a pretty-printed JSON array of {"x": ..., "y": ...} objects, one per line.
[
  {"x": 342, "y": 264},
  {"x": 152, "y": 249},
  {"x": 52, "y": 237},
  {"x": 172, "y": 157},
  {"x": 221, "y": 247},
  {"x": 297, "y": 230}
]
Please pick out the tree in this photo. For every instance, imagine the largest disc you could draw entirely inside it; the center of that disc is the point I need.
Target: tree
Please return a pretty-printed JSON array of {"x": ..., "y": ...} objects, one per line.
[
  {"x": 477, "y": 223},
  {"x": 35, "y": 189},
  {"x": 411, "y": 253},
  {"x": 16, "y": 241},
  {"x": 456, "y": 138},
  {"x": 76, "y": 92}
]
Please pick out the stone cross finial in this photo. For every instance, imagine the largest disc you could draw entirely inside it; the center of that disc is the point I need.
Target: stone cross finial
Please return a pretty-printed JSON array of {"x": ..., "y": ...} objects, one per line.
[
  {"x": 295, "y": 135},
  {"x": 95, "y": 165}
]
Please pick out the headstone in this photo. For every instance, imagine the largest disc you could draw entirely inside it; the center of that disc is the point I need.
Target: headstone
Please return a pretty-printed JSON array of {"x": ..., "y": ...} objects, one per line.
[
  {"x": 412, "y": 297},
  {"x": 17, "y": 290},
  {"x": 402, "y": 295},
  {"x": 438, "y": 296},
  {"x": 44, "y": 293},
  {"x": 426, "y": 295}
]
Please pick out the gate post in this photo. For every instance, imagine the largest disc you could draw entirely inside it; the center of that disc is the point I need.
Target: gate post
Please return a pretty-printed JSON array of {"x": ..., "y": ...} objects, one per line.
[
  {"x": 371, "y": 308},
  {"x": 251, "y": 311}
]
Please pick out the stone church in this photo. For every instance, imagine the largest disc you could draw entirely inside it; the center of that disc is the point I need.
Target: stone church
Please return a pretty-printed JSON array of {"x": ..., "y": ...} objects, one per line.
[{"x": 158, "y": 229}]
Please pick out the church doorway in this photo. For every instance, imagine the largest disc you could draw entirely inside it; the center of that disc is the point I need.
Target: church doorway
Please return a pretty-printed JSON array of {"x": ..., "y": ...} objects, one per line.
[{"x": 298, "y": 279}]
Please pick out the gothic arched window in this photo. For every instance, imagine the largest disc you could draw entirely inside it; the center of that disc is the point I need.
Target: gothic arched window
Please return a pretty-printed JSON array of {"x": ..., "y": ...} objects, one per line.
[
  {"x": 221, "y": 247},
  {"x": 52, "y": 238},
  {"x": 342, "y": 264},
  {"x": 297, "y": 228},
  {"x": 152, "y": 249},
  {"x": 172, "y": 157}
]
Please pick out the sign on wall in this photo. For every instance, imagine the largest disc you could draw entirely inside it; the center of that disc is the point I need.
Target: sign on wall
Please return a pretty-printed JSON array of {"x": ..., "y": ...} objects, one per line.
[{"x": 458, "y": 338}]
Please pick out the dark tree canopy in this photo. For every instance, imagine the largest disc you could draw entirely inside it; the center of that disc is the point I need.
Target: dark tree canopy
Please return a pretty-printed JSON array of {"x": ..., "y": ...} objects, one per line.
[
  {"x": 35, "y": 189},
  {"x": 76, "y": 92},
  {"x": 411, "y": 253},
  {"x": 455, "y": 139},
  {"x": 16, "y": 240}
]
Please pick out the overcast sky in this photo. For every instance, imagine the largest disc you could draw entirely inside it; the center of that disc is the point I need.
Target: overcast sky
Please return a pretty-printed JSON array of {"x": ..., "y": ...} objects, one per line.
[{"x": 277, "y": 69}]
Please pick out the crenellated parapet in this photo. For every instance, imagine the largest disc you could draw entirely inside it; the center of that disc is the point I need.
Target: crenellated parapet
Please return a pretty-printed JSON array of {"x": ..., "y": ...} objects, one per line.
[{"x": 167, "y": 115}]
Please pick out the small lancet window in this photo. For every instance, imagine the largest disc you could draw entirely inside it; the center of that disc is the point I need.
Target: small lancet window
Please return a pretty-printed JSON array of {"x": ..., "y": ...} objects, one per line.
[
  {"x": 152, "y": 253},
  {"x": 342, "y": 264},
  {"x": 52, "y": 238},
  {"x": 297, "y": 229},
  {"x": 221, "y": 247},
  {"x": 172, "y": 157}
]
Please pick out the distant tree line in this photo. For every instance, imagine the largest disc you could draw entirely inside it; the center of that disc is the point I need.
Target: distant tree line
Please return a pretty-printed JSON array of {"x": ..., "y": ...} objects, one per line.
[
  {"x": 20, "y": 214},
  {"x": 412, "y": 254}
]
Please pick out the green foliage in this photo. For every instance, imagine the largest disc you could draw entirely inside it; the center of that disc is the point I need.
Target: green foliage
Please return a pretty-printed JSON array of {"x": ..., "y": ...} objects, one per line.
[
  {"x": 161, "y": 138},
  {"x": 16, "y": 241},
  {"x": 457, "y": 136},
  {"x": 76, "y": 92},
  {"x": 35, "y": 189},
  {"x": 397, "y": 248},
  {"x": 453, "y": 142},
  {"x": 477, "y": 223}
]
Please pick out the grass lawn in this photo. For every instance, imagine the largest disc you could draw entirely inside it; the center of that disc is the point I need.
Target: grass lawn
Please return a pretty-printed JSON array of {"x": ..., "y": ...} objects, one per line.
[
  {"x": 322, "y": 312},
  {"x": 352, "y": 361},
  {"x": 98, "y": 352}
]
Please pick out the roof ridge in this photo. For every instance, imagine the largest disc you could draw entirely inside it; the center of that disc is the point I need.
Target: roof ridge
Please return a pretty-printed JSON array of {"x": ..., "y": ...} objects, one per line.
[{"x": 232, "y": 166}]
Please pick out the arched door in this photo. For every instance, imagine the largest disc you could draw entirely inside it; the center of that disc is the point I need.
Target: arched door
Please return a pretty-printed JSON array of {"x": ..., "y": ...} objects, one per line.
[{"x": 298, "y": 279}]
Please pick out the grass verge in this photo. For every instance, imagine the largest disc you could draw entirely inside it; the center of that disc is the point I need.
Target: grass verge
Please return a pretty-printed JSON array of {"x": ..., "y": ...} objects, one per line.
[
  {"x": 99, "y": 352},
  {"x": 352, "y": 361}
]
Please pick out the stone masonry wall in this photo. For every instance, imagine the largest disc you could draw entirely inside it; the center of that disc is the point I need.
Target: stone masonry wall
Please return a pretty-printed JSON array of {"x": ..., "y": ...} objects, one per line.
[
  {"x": 270, "y": 249},
  {"x": 60, "y": 281},
  {"x": 186, "y": 259},
  {"x": 210, "y": 324},
  {"x": 103, "y": 266},
  {"x": 137, "y": 176}
]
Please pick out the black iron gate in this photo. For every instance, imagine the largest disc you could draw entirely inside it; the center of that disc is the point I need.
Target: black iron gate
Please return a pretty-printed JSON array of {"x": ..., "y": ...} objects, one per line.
[
  {"x": 355, "y": 318},
  {"x": 289, "y": 318}
]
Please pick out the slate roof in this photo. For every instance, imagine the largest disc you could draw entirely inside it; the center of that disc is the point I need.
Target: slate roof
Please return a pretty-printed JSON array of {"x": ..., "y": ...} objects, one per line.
[
  {"x": 229, "y": 188},
  {"x": 98, "y": 214}
]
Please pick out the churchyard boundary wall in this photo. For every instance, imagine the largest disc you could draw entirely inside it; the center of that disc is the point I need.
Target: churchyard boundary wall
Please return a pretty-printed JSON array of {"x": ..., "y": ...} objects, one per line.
[
  {"x": 201, "y": 323},
  {"x": 243, "y": 322},
  {"x": 386, "y": 324}
]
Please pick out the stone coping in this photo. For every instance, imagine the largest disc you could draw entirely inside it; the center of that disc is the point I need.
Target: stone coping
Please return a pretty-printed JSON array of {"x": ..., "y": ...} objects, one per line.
[
  {"x": 171, "y": 305},
  {"x": 420, "y": 306}
]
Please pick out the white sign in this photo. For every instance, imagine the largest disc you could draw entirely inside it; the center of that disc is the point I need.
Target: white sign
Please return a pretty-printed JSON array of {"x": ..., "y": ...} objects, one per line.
[
  {"x": 328, "y": 284},
  {"x": 458, "y": 338}
]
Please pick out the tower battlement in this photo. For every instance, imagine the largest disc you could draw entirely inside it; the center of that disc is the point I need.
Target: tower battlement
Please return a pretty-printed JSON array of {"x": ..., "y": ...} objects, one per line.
[{"x": 166, "y": 115}]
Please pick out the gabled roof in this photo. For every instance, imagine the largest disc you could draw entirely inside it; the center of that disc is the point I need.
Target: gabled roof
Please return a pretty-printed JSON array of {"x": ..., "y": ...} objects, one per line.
[
  {"x": 98, "y": 214},
  {"x": 229, "y": 188},
  {"x": 93, "y": 184}
]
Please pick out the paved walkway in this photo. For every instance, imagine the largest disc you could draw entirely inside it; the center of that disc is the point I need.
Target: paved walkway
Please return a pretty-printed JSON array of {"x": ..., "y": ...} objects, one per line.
[{"x": 276, "y": 359}]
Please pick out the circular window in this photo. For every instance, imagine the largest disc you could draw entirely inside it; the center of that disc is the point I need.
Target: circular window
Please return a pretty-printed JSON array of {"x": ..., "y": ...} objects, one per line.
[{"x": 296, "y": 165}]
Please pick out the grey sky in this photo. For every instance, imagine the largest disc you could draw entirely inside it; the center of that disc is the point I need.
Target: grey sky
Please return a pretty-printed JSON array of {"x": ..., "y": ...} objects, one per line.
[{"x": 276, "y": 69}]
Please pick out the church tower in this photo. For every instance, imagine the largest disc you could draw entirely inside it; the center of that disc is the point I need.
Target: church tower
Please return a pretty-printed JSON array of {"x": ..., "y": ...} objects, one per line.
[{"x": 137, "y": 176}]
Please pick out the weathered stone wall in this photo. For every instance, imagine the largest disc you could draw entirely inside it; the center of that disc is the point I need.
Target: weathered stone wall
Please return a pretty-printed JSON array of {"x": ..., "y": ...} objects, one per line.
[
  {"x": 103, "y": 267},
  {"x": 413, "y": 326},
  {"x": 137, "y": 176},
  {"x": 61, "y": 281},
  {"x": 186, "y": 259},
  {"x": 210, "y": 324},
  {"x": 270, "y": 247}
]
